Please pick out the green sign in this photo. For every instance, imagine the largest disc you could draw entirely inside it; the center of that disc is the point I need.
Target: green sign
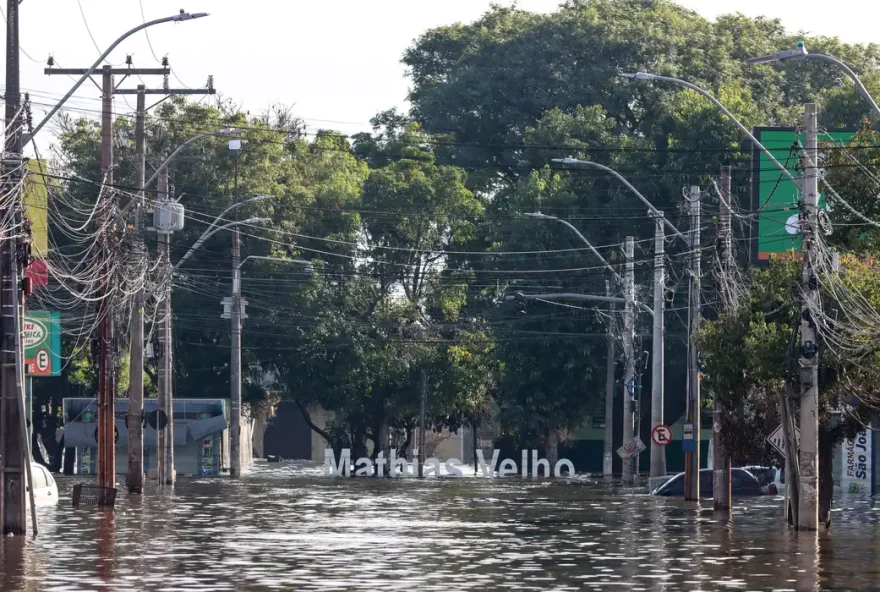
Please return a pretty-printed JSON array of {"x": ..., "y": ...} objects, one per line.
[
  {"x": 42, "y": 343},
  {"x": 774, "y": 194}
]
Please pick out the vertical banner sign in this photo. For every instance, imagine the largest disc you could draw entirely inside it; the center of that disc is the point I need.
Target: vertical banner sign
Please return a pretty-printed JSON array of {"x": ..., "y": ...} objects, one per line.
[
  {"x": 777, "y": 228},
  {"x": 42, "y": 343},
  {"x": 36, "y": 204},
  {"x": 858, "y": 463}
]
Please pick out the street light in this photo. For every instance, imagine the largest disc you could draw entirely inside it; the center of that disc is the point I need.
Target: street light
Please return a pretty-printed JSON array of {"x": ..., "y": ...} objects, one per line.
[
  {"x": 183, "y": 16},
  {"x": 224, "y": 132},
  {"x": 801, "y": 53},
  {"x": 541, "y": 216},
  {"x": 697, "y": 89},
  {"x": 629, "y": 186}
]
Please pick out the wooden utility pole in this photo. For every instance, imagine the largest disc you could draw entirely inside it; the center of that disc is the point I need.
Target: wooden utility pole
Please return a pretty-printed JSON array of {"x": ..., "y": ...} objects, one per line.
[
  {"x": 692, "y": 459},
  {"x": 134, "y": 477},
  {"x": 808, "y": 497},
  {"x": 106, "y": 363},
  {"x": 628, "y": 352},
  {"x": 720, "y": 462}
]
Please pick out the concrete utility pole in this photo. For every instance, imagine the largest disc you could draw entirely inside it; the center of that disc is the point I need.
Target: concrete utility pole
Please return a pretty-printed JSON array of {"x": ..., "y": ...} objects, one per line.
[
  {"x": 658, "y": 453},
  {"x": 629, "y": 288},
  {"x": 721, "y": 465},
  {"x": 608, "y": 450},
  {"x": 164, "y": 366},
  {"x": 235, "y": 361},
  {"x": 135, "y": 475},
  {"x": 134, "y": 478},
  {"x": 692, "y": 459},
  {"x": 808, "y": 498},
  {"x": 422, "y": 412},
  {"x": 168, "y": 346},
  {"x": 14, "y": 449}
]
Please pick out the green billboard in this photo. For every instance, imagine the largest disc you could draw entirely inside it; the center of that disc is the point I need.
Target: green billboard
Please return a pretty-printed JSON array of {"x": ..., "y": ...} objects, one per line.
[
  {"x": 774, "y": 197},
  {"x": 42, "y": 343}
]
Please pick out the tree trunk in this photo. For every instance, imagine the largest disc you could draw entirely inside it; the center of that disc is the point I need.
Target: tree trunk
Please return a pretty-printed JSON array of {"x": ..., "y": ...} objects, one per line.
[
  {"x": 826, "y": 478},
  {"x": 359, "y": 443},
  {"x": 552, "y": 447},
  {"x": 475, "y": 430},
  {"x": 381, "y": 443}
]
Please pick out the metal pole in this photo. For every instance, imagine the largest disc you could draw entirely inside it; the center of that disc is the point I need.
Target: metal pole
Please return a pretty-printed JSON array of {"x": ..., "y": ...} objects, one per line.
[
  {"x": 721, "y": 466},
  {"x": 424, "y": 404},
  {"x": 692, "y": 459},
  {"x": 106, "y": 382},
  {"x": 628, "y": 354},
  {"x": 808, "y": 512},
  {"x": 235, "y": 362},
  {"x": 658, "y": 453},
  {"x": 134, "y": 479},
  {"x": 608, "y": 451}
]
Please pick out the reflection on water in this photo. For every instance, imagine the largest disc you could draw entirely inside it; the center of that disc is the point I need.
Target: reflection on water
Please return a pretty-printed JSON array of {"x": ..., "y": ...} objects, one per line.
[{"x": 286, "y": 527}]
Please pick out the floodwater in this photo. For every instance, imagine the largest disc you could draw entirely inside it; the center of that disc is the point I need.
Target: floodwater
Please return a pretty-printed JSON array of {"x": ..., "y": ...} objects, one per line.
[{"x": 287, "y": 527}]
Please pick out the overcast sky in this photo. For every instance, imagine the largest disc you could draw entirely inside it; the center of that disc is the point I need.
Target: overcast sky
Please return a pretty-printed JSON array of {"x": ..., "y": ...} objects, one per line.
[{"x": 337, "y": 61}]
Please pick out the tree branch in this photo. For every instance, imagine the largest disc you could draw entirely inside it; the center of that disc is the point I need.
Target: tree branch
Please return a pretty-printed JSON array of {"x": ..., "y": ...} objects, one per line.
[{"x": 308, "y": 419}]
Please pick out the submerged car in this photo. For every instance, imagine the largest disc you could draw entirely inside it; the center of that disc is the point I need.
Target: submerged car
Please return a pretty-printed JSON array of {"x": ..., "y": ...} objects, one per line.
[
  {"x": 742, "y": 483},
  {"x": 45, "y": 489}
]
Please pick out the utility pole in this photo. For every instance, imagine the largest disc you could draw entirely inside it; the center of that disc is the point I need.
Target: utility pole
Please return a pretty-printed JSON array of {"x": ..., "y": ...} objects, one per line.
[
  {"x": 164, "y": 344},
  {"x": 658, "y": 453},
  {"x": 168, "y": 346},
  {"x": 692, "y": 459},
  {"x": 235, "y": 362},
  {"x": 135, "y": 475},
  {"x": 424, "y": 404},
  {"x": 106, "y": 476},
  {"x": 134, "y": 479},
  {"x": 628, "y": 354},
  {"x": 106, "y": 364},
  {"x": 608, "y": 450},
  {"x": 808, "y": 510},
  {"x": 13, "y": 447},
  {"x": 721, "y": 466}
]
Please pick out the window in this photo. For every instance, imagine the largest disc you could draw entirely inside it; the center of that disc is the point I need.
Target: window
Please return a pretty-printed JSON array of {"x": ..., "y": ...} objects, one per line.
[{"x": 39, "y": 477}]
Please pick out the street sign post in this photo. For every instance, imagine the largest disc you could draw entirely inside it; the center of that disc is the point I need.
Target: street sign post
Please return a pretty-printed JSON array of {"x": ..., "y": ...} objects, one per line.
[
  {"x": 42, "y": 343},
  {"x": 777, "y": 441},
  {"x": 631, "y": 448},
  {"x": 688, "y": 443},
  {"x": 661, "y": 435}
]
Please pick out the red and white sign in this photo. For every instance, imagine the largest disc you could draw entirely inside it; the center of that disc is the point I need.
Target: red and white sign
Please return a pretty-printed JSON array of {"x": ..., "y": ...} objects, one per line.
[{"x": 661, "y": 435}]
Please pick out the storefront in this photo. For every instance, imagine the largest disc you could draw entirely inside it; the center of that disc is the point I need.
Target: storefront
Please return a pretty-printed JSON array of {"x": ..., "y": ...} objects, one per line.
[{"x": 200, "y": 435}]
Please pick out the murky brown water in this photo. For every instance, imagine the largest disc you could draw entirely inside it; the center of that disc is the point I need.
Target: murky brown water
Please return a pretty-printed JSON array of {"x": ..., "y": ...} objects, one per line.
[{"x": 288, "y": 528}]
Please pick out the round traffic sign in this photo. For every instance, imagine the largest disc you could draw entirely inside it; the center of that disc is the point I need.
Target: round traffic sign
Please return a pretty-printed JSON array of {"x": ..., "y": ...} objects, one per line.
[
  {"x": 661, "y": 435},
  {"x": 42, "y": 360}
]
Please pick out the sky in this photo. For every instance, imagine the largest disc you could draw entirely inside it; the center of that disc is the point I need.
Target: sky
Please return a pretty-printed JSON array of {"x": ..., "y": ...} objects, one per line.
[{"x": 337, "y": 63}]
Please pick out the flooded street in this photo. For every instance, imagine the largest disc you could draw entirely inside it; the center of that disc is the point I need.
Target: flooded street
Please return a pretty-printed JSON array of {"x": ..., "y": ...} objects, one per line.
[{"x": 289, "y": 528}]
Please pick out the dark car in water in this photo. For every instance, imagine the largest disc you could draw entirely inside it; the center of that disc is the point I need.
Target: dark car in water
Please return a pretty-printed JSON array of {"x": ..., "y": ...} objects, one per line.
[{"x": 742, "y": 483}]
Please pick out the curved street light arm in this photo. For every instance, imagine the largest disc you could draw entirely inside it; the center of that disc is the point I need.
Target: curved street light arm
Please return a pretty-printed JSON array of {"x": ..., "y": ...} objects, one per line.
[
  {"x": 212, "y": 230},
  {"x": 598, "y": 255},
  {"x": 852, "y": 75},
  {"x": 183, "y": 16},
  {"x": 629, "y": 186},
  {"x": 697, "y": 89}
]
